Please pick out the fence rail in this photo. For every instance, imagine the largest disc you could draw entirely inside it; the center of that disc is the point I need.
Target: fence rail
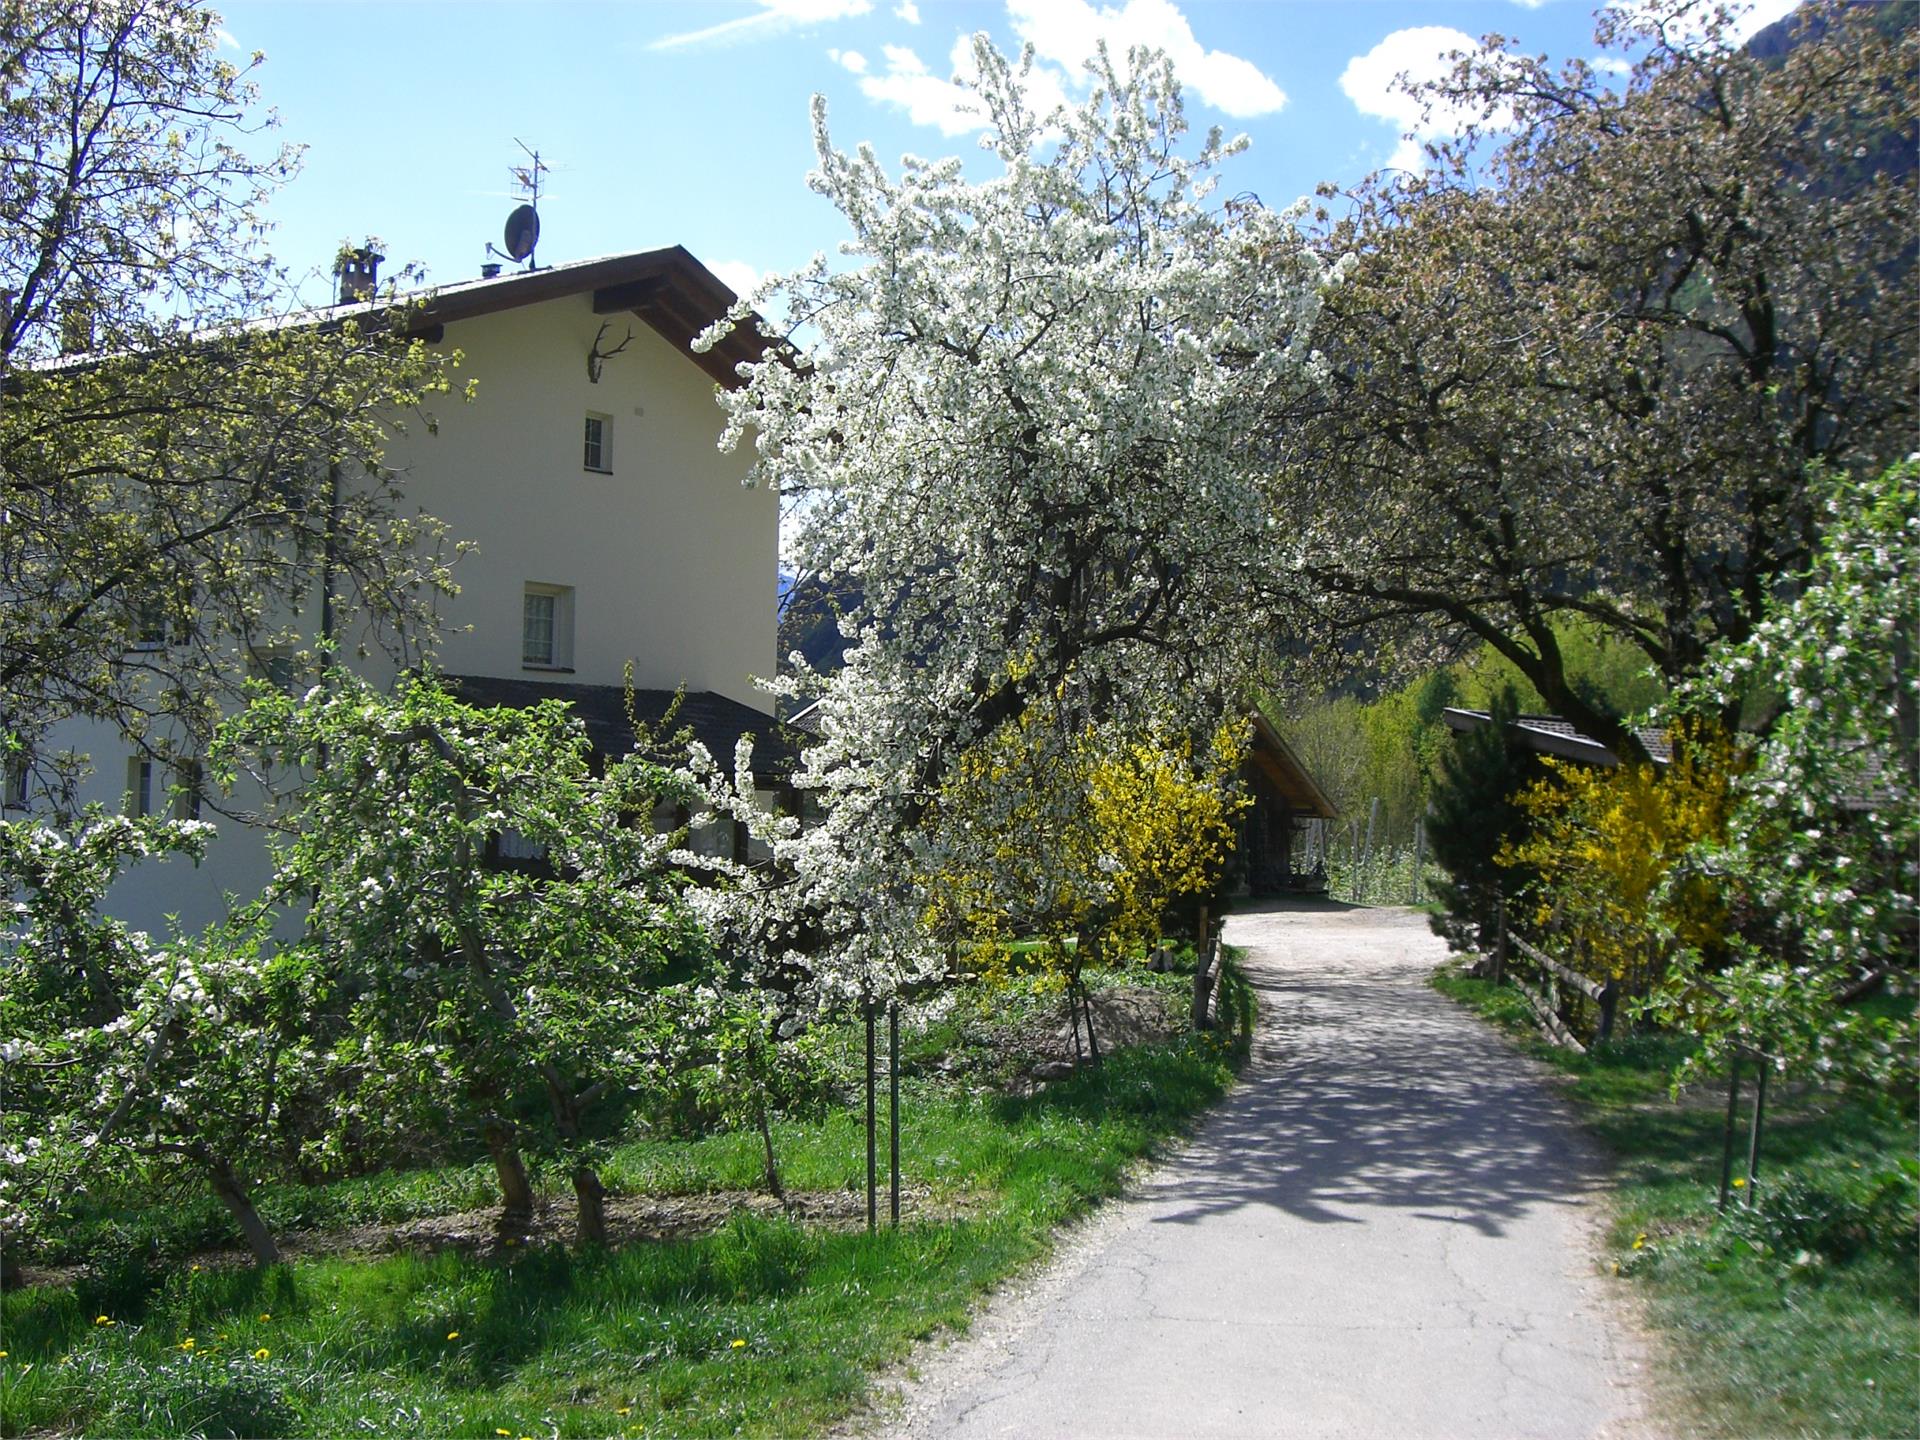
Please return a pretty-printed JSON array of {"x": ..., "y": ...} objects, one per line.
[{"x": 1515, "y": 954}]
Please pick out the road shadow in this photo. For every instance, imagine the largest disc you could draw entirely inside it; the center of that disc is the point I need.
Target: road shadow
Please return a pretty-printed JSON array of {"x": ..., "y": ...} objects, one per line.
[{"x": 1367, "y": 1088}]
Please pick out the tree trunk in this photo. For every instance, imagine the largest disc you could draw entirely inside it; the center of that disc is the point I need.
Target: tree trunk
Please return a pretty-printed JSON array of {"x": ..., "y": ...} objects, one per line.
[
  {"x": 1202, "y": 976},
  {"x": 591, "y": 1195},
  {"x": 770, "y": 1169},
  {"x": 233, "y": 1194},
  {"x": 516, "y": 1190}
]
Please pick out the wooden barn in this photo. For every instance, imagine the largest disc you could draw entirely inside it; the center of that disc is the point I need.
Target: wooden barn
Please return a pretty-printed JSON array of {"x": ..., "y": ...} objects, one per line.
[{"x": 1274, "y": 856}]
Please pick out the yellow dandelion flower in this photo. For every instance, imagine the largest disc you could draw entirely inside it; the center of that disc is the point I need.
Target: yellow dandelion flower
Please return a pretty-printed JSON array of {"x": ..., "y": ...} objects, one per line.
[
  {"x": 498, "y": 1431},
  {"x": 623, "y": 1410},
  {"x": 187, "y": 1344},
  {"x": 453, "y": 1334},
  {"x": 193, "y": 1269},
  {"x": 266, "y": 1315},
  {"x": 3, "y": 1354},
  {"x": 102, "y": 1320},
  {"x": 1739, "y": 1181},
  {"x": 739, "y": 1344},
  {"x": 1640, "y": 1241},
  {"x": 262, "y": 1353}
]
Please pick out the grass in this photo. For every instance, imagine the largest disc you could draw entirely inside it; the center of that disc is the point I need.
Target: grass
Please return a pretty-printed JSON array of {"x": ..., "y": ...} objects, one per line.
[
  {"x": 1798, "y": 1315},
  {"x": 766, "y": 1327}
]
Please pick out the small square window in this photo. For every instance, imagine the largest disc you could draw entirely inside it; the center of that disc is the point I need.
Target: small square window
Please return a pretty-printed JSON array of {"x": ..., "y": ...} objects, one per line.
[
  {"x": 139, "y": 786},
  {"x": 546, "y": 627},
  {"x": 599, "y": 446},
  {"x": 273, "y": 664}
]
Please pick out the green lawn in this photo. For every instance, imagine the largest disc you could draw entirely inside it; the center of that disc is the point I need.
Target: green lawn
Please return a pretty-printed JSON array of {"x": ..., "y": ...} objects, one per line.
[
  {"x": 765, "y": 1327},
  {"x": 1798, "y": 1315}
]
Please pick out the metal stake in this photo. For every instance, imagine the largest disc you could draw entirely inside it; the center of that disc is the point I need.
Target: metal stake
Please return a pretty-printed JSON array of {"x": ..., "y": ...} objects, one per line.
[
  {"x": 1753, "y": 1135},
  {"x": 893, "y": 1105},
  {"x": 1726, "y": 1144},
  {"x": 873, "y": 1205}
]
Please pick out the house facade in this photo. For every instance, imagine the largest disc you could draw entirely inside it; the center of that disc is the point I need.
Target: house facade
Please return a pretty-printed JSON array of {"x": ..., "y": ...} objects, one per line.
[{"x": 608, "y": 534}]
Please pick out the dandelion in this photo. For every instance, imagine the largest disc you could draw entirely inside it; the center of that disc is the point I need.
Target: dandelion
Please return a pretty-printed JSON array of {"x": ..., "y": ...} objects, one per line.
[
  {"x": 262, "y": 1353},
  {"x": 193, "y": 1270},
  {"x": 498, "y": 1431},
  {"x": 453, "y": 1334},
  {"x": 623, "y": 1410},
  {"x": 102, "y": 1320},
  {"x": 1640, "y": 1241},
  {"x": 266, "y": 1315},
  {"x": 1739, "y": 1182},
  {"x": 186, "y": 1344},
  {"x": 3, "y": 1354},
  {"x": 739, "y": 1344}
]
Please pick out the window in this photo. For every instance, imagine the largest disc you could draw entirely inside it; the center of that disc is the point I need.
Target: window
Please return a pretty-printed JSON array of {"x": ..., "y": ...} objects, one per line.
[
  {"x": 273, "y": 664},
  {"x": 155, "y": 628},
  {"x": 599, "y": 448},
  {"x": 139, "y": 786},
  {"x": 546, "y": 627},
  {"x": 186, "y": 790},
  {"x": 15, "y": 778}
]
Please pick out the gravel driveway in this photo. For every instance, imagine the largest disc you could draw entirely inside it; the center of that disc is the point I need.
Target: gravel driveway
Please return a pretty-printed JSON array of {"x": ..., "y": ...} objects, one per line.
[{"x": 1387, "y": 1230}]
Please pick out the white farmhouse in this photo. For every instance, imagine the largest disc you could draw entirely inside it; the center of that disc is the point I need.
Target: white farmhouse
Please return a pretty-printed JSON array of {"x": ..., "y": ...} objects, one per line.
[{"x": 608, "y": 529}]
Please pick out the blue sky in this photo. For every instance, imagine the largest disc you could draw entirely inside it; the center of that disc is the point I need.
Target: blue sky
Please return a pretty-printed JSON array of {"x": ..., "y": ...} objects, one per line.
[{"x": 688, "y": 123}]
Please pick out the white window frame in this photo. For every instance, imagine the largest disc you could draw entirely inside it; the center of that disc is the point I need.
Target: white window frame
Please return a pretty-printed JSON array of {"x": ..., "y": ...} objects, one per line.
[
  {"x": 186, "y": 790},
  {"x": 139, "y": 797},
  {"x": 559, "y": 645},
  {"x": 597, "y": 448}
]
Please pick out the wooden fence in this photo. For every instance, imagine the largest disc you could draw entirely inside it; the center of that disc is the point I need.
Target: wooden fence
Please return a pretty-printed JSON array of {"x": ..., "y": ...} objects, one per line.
[{"x": 1545, "y": 981}]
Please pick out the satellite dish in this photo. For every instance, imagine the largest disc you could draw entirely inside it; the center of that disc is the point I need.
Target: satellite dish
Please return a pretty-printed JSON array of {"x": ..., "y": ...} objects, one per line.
[{"x": 523, "y": 232}]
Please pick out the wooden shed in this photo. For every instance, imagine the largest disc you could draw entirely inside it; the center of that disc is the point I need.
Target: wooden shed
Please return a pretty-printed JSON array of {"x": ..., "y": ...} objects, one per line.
[{"x": 1271, "y": 858}]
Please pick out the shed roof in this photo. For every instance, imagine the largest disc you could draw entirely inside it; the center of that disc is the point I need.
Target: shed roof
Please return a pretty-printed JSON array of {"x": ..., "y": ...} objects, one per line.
[{"x": 714, "y": 720}]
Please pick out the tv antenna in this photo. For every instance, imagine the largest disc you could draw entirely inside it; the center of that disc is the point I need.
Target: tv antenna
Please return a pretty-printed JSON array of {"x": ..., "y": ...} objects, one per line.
[{"x": 522, "y": 232}]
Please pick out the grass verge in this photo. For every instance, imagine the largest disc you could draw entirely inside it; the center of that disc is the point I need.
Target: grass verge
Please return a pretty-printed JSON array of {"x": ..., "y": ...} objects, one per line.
[
  {"x": 766, "y": 1327},
  {"x": 1796, "y": 1315}
]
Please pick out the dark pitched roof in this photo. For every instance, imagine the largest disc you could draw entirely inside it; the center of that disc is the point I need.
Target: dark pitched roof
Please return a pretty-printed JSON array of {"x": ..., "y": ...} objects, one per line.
[
  {"x": 669, "y": 289},
  {"x": 1286, "y": 772},
  {"x": 1550, "y": 735},
  {"x": 716, "y": 722}
]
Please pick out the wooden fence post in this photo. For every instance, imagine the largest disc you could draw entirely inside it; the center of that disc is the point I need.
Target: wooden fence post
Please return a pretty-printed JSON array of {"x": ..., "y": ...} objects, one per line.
[
  {"x": 1609, "y": 1003},
  {"x": 893, "y": 1109},
  {"x": 1419, "y": 859},
  {"x": 1499, "y": 939}
]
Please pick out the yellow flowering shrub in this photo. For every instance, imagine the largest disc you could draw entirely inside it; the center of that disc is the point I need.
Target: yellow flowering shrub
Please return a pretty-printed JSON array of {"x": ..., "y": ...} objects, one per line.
[
  {"x": 1087, "y": 834},
  {"x": 1605, "y": 844}
]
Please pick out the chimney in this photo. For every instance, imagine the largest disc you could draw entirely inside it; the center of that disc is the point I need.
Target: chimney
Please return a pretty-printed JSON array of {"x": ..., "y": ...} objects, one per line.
[{"x": 358, "y": 271}]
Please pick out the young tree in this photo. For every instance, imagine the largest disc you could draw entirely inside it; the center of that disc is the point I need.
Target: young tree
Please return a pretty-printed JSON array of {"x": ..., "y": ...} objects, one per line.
[
  {"x": 121, "y": 1055},
  {"x": 1580, "y": 365},
  {"x": 191, "y": 465},
  {"x": 1822, "y": 850},
  {"x": 1022, "y": 427},
  {"x": 480, "y": 981}
]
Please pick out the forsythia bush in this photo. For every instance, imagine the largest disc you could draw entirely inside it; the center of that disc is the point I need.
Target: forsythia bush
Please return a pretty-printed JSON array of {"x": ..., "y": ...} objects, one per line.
[{"x": 1605, "y": 844}]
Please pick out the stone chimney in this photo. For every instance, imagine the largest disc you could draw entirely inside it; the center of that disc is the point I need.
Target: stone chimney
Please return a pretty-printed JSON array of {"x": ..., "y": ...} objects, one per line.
[{"x": 358, "y": 271}]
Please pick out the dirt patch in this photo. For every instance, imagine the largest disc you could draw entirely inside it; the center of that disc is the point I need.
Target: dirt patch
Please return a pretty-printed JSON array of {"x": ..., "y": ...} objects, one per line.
[{"x": 631, "y": 1220}]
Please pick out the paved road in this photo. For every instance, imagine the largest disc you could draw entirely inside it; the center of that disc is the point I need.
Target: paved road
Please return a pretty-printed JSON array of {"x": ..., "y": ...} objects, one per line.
[{"x": 1386, "y": 1231}]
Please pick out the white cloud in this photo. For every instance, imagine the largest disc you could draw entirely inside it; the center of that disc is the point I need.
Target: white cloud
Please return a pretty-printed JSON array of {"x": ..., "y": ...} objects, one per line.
[
  {"x": 224, "y": 38},
  {"x": 1611, "y": 65},
  {"x": 907, "y": 83},
  {"x": 771, "y": 18},
  {"x": 1067, "y": 31},
  {"x": 738, "y": 276},
  {"x": 908, "y": 11},
  {"x": 1746, "y": 24},
  {"x": 851, "y": 60},
  {"x": 1530, "y": 4},
  {"x": 1371, "y": 82}
]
